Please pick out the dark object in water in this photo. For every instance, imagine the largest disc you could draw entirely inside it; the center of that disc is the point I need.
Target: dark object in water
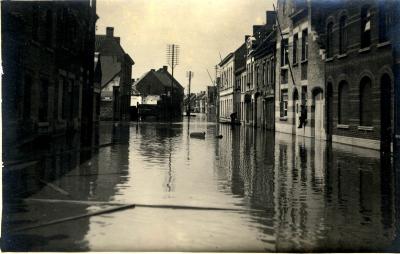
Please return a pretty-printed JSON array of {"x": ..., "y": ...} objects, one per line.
[
  {"x": 197, "y": 135},
  {"x": 219, "y": 136}
]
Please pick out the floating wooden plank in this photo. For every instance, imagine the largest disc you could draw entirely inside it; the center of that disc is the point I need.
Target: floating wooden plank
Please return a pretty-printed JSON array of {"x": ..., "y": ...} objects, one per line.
[
  {"x": 77, "y": 217},
  {"x": 182, "y": 207}
]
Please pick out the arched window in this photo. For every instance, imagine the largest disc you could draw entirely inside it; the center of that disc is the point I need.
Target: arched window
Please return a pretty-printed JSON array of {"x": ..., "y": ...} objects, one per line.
[
  {"x": 342, "y": 35},
  {"x": 365, "y": 27},
  {"x": 343, "y": 103},
  {"x": 329, "y": 40},
  {"x": 365, "y": 102}
]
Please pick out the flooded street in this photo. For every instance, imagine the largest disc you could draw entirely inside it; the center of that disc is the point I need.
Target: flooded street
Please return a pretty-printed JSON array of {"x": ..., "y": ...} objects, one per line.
[{"x": 251, "y": 190}]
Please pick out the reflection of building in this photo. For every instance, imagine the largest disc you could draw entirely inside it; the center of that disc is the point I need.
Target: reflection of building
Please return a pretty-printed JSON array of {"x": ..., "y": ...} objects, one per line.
[
  {"x": 48, "y": 58},
  {"x": 326, "y": 195},
  {"x": 116, "y": 77},
  {"x": 359, "y": 74},
  {"x": 299, "y": 69}
]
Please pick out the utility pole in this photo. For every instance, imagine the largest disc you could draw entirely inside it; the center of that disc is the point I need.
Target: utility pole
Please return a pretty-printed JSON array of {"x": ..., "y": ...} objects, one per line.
[
  {"x": 189, "y": 74},
  {"x": 173, "y": 60}
]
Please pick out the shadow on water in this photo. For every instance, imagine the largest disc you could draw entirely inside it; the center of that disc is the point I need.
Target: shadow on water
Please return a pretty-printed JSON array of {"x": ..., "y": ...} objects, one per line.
[{"x": 63, "y": 171}]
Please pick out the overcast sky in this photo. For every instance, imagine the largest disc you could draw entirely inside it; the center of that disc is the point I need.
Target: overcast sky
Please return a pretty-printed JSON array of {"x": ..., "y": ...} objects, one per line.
[{"x": 202, "y": 28}]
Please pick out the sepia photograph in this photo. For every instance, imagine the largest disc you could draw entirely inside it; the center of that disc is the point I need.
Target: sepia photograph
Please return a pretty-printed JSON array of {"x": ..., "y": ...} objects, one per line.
[{"x": 200, "y": 126}]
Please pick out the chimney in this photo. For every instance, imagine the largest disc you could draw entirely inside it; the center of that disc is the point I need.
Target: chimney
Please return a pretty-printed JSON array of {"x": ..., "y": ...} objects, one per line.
[
  {"x": 110, "y": 31},
  {"x": 165, "y": 68},
  {"x": 271, "y": 17}
]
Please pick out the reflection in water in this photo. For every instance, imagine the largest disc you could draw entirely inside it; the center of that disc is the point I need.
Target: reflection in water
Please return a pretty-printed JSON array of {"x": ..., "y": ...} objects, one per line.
[{"x": 299, "y": 194}]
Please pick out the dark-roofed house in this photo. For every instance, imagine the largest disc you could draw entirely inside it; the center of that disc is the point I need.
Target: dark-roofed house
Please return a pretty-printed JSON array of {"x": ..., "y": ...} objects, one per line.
[
  {"x": 157, "y": 85},
  {"x": 116, "y": 66}
]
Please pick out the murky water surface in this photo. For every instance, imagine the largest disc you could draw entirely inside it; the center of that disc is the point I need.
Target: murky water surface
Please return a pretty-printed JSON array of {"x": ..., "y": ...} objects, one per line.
[{"x": 276, "y": 193}]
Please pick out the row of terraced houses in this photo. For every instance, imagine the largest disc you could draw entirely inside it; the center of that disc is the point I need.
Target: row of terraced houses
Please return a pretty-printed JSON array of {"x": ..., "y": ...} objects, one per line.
[{"x": 320, "y": 69}]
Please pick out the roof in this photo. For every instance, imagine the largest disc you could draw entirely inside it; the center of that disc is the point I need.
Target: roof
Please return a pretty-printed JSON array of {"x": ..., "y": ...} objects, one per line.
[
  {"x": 162, "y": 76},
  {"x": 266, "y": 46},
  {"x": 226, "y": 59},
  {"x": 110, "y": 46},
  {"x": 165, "y": 78}
]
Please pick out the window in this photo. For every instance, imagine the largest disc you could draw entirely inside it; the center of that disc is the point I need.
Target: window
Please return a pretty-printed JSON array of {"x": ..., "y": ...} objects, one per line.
[
  {"x": 365, "y": 102},
  {"x": 35, "y": 22},
  {"x": 343, "y": 103},
  {"x": 329, "y": 40},
  {"x": 365, "y": 27},
  {"x": 43, "y": 100},
  {"x": 342, "y": 35},
  {"x": 284, "y": 102},
  {"x": 385, "y": 21},
  {"x": 295, "y": 43},
  {"x": 284, "y": 52},
  {"x": 49, "y": 27},
  {"x": 304, "y": 45},
  {"x": 272, "y": 72},
  {"x": 27, "y": 97},
  {"x": 65, "y": 98}
]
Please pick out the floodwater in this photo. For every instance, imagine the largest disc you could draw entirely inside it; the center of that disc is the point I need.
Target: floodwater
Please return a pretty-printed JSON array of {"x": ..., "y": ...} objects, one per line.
[{"x": 251, "y": 190}]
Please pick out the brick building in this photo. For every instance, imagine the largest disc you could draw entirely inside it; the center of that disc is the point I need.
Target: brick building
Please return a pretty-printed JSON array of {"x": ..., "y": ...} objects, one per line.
[
  {"x": 264, "y": 57},
  {"x": 253, "y": 106},
  {"x": 299, "y": 69},
  {"x": 359, "y": 72},
  {"x": 116, "y": 78},
  {"x": 48, "y": 65}
]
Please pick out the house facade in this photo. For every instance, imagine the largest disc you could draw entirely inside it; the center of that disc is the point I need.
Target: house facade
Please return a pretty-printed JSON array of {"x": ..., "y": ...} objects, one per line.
[
  {"x": 116, "y": 77},
  {"x": 226, "y": 89},
  {"x": 299, "y": 89},
  {"x": 154, "y": 87},
  {"x": 264, "y": 57},
  {"x": 48, "y": 65},
  {"x": 253, "y": 101},
  {"x": 359, "y": 73}
]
